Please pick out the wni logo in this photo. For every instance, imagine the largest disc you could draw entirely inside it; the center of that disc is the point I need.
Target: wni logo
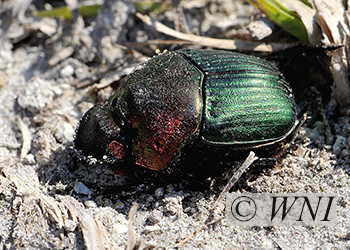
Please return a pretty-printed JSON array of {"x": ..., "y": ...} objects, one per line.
[{"x": 281, "y": 209}]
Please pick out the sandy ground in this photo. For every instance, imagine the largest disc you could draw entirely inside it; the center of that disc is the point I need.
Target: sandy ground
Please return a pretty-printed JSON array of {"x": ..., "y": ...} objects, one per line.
[{"x": 53, "y": 70}]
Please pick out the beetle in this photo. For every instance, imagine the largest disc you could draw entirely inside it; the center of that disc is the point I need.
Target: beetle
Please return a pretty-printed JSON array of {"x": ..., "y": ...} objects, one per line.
[{"x": 189, "y": 98}]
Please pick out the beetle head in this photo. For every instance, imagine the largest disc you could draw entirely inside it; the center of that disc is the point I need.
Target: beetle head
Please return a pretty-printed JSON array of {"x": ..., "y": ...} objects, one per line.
[{"x": 99, "y": 136}]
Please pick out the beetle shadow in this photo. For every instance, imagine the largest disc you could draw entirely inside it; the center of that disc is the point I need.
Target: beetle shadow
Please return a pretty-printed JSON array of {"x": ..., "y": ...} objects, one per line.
[
  {"x": 206, "y": 169},
  {"x": 199, "y": 172}
]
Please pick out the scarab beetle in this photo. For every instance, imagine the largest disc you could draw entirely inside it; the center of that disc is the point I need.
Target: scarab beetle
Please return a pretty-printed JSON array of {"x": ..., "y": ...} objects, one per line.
[{"x": 189, "y": 98}]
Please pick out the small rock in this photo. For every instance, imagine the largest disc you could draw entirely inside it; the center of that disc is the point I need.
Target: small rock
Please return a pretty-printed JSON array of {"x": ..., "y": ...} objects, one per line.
[
  {"x": 266, "y": 244},
  {"x": 173, "y": 205},
  {"x": 314, "y": 133},
  {"x": 64, "y": 132},
  {"x": 261, "y": 28},
  {"x": 90, "y": 204},
  {"x": 120, "y": 228},
  {"x": 187, "y": 209},
  {"x": 119, "y": 205},
  {"x": 149, "y": 229},
  {"x": 80, "y": 188},
  {"x": 57, "y": 90},
  {"x": 300, "y": 152},
  {"x": 155, "y": 216},
  {"x": 29, "y": 159},
  {"x": 67, "y": 71},
  {"x": 339, "y": 145},
  {"x": 70, "y": 225}
]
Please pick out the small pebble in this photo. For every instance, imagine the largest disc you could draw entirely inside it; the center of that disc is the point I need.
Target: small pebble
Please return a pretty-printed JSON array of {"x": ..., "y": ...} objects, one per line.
[
  {"x": 118, "y": 205},
  {"x": 64, "y": 132},
  {"x": 339, "y": 144},
  {"x": 80, "y": 188},
  {"x": 173, "y": 205},
  {"x": 66, "y": 71},
  {"x": 155, "y": 216},
  {"x": 149, "y": 229},
  {"x": 29, "y": 159},
  {"x": 70, "y": 225},
  {"x": 187, "y": 209},
  {"x": 314, "y": 133},
  {"x": 300, "y": 151},
  {"x": 120, "y": 228},
  {"x": 261, "y": 28},
  {"x": 90, "y": 204},
  {"x": 266, "y": 244}
]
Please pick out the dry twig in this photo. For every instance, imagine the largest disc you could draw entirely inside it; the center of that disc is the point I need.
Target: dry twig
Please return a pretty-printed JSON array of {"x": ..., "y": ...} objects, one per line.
[
  {"x": 131, "y": 235},
  {"x": 246, "y": 164},
  {"x": 213, "y": 42}
]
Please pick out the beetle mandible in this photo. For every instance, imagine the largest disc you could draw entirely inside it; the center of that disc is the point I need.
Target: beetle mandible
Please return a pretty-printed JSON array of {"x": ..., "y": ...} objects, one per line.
[{"x": 189, "y": 97}]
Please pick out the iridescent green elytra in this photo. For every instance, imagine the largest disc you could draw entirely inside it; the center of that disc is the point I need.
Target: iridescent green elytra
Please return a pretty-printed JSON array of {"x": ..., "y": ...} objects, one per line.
[
  {"x": 188, "y": 97},
  {"x": 247, "y": 101}
]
